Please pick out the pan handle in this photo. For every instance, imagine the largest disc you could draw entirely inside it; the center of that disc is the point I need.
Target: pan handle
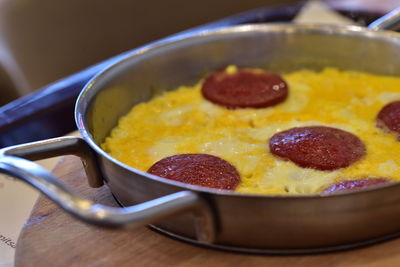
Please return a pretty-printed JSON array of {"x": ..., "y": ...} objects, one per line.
[
  {"x": 12, "y": 162},
  {"x": 390, "y": 21}
]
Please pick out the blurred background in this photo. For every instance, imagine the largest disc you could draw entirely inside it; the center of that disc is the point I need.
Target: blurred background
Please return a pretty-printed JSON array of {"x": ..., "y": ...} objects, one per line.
[{"x": 43, "y": 41}]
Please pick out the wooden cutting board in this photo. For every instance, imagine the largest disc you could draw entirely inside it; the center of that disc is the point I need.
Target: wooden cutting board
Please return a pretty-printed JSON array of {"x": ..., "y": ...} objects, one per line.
[{"x": 53, "y": 238}]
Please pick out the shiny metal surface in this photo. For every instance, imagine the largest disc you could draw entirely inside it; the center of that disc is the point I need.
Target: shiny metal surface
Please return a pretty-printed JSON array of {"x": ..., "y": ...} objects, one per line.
[
  {"x": 12, "y": 163},
  {"x": 259, "y": 223},
  {"x": 238, "y": 221},
  {"x": 390, "y": 21},
  {"x": 58, "y": 147}
]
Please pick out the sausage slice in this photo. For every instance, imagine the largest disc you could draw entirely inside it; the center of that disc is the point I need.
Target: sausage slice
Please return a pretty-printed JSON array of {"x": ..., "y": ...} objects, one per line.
[
  {"x": 245, "y": 88},
  {"x": 389, "y": 117},
  {"x": 318, "y": 147},
  {"x": 198, "y": 169},
  {"x": 353, "y": 185}
]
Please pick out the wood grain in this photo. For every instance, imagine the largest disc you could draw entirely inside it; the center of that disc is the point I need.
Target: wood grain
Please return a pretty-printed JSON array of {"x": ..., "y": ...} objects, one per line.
[{"x": 53, "y": 238}]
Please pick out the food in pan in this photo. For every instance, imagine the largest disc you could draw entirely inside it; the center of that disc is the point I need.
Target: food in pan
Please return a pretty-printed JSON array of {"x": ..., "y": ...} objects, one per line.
[
  {"x": 303, "y": 132},
  {"x": 244, "y": 88},
  {"x": 318, "y": 147},
  {"x": 389, "y": 117},
  {"x": 198, "y": 169}
]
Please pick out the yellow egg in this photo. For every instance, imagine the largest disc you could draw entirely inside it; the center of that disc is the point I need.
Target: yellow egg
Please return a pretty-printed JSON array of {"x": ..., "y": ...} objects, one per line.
[{"x": 182, "y": 121}]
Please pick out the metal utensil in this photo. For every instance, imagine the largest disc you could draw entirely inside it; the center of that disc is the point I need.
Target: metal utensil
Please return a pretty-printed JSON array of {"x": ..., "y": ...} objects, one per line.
[{"x": 218, "y": 218}]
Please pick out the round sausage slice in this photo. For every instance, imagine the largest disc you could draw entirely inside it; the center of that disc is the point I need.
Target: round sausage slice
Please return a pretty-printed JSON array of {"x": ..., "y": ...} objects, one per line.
[
  {"x": 353, "y": 185},
  {"x": 198, "y": 169},
  {"x": 389, "y": 117},
  {"x": 318, "y": 147},
  {"x": 245, "y": 88}
]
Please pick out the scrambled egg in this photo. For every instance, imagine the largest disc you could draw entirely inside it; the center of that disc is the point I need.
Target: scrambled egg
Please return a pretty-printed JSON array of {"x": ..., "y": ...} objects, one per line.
[{"x": 181, "y": 121}]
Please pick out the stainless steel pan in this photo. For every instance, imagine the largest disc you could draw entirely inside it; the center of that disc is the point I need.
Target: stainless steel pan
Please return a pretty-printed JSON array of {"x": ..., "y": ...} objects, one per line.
[{"x": 223, "y": 219}]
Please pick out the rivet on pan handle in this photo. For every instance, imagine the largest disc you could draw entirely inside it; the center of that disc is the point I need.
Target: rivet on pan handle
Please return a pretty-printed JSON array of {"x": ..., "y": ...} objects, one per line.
[
  {"x": 390, "y": 21},
  {"x": 12, "y": 163}
]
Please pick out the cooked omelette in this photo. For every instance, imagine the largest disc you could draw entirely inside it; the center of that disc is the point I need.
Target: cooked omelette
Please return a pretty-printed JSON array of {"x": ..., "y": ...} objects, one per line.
[{"x": 182, "y": 121}]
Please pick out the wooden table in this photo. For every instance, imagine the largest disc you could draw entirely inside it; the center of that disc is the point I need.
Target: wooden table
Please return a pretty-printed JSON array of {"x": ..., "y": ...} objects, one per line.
[{"x": 53, "y": 238}]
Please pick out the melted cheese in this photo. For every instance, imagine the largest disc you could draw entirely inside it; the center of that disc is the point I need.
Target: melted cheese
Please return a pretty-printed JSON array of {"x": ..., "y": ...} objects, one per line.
[{"x": 182, "y": 121}]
